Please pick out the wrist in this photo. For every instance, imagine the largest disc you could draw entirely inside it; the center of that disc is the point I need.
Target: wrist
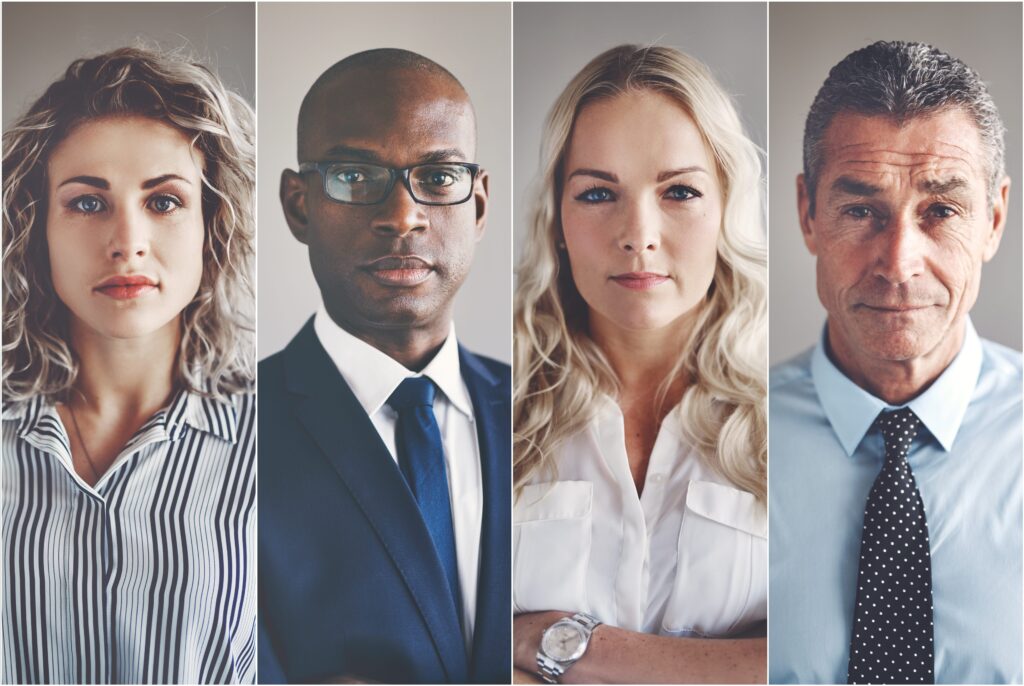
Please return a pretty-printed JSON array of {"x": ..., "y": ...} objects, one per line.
[{"x": 527, "y": 631}]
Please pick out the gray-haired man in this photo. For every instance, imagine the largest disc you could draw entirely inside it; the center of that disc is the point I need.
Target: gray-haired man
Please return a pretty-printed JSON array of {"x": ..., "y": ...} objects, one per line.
[{"x": 895, "y": 496}]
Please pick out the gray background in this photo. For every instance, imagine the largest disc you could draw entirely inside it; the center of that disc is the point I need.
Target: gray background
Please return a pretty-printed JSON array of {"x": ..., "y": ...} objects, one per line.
[
  {"x": 297, "y": 42},
  {"x": 40, "y": 40},
  {"x": 806, "y": 41},
  {"x": 553, "y": 41}
]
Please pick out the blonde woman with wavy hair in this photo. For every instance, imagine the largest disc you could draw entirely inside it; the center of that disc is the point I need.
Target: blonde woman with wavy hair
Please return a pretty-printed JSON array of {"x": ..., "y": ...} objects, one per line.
[
  {"x": 640, "y": 427},
  {"x": 128, "y": 478}
]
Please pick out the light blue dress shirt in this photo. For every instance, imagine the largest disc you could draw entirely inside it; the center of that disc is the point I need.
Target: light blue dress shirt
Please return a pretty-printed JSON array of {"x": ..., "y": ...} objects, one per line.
[{"x": 824, "y": 456}]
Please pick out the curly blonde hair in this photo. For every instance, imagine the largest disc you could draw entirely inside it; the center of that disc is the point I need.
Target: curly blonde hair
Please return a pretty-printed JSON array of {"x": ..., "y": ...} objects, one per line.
[
  {"x": 560, "y": 371},
  {"x": 217, "y": 354}
]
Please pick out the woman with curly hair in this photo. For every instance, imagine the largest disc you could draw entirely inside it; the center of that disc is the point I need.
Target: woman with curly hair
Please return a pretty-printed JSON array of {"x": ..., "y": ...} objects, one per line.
[
  {"x": 128, "y": 477},
  {"x": 640, "y": 429}
]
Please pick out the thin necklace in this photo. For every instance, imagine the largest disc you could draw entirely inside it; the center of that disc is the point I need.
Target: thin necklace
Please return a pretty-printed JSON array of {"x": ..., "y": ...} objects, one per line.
[{"x": 81, "y": 441}]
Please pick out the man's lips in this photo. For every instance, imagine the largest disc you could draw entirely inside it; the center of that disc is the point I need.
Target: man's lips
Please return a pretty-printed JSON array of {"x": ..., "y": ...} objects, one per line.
[
  {"x": 895, "y": 308},
  {"x": 639, "y": 281},
  {"x": 402, "y": 271},
  {"x": 126, "y": 287}
]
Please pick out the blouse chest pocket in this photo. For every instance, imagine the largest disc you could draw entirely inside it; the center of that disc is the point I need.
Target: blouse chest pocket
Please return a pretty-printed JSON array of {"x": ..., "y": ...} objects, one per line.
[
  {"x": 721, "y": 579},
  {"x": 551, "y": 543}
]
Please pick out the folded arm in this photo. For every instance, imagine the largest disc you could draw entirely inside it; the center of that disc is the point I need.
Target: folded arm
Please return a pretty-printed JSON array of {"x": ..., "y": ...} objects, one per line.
[{"x": 620, "y": 656}]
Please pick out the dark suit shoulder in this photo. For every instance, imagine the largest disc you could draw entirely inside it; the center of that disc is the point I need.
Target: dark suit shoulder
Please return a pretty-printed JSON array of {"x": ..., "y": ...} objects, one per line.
[
  {"x": 500, "y": 370},
  {"x": 270, "y": 371}
]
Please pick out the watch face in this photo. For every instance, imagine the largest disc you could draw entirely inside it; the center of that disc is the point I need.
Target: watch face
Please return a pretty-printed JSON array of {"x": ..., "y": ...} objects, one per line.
[{"x": 563, "y": 641}]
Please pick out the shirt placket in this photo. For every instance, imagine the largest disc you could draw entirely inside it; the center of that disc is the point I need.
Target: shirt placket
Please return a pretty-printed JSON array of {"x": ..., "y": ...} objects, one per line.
[{"x": 632, "y": 579}]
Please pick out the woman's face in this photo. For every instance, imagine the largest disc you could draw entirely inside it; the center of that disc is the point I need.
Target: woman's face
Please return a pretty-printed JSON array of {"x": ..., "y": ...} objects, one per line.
[
  {"x": 641, "y": 211},
  {"x": 125, "y": 225}
]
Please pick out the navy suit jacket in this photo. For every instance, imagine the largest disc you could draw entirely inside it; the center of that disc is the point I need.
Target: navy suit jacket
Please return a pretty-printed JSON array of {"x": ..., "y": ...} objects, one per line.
[{"x": 349, "y": 582}]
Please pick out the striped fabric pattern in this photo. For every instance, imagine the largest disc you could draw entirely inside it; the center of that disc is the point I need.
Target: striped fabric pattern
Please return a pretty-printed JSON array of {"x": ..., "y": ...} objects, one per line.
[{"x": 148, "y": 577}]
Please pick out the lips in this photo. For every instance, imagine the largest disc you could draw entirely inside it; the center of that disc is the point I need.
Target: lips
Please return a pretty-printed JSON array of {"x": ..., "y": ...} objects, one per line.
[
  {"x": 639, "y": 281},
  {"x": 401, "y": 271},
  {"x": 126, "y": 287},
  {"x": 903, "y": 307}
]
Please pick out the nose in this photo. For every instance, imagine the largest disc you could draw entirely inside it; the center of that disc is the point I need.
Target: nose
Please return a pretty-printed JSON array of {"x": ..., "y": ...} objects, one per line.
[
  {"x": 901, "y": 250},
  {"x": 399, "y": 214},
  {"x": 641, "y": 228},
  {"x": 129, "y": 235}
]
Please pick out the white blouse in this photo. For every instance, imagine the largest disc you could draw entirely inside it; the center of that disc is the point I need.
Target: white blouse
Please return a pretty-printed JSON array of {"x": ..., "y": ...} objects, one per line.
[{"x": 688, "y": 557}]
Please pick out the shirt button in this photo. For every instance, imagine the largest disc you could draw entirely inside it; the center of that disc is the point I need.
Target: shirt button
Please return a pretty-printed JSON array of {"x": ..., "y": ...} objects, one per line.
[{"x": 658, "y": 478}]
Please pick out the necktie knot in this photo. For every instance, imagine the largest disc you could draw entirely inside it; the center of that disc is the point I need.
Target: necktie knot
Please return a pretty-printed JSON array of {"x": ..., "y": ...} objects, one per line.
[
  {"x": 418, "y": 391},
  {"x": 898, "y": 427}
]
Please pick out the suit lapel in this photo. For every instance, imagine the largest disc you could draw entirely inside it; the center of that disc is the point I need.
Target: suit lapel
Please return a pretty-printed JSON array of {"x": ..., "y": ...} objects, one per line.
[
  {"x": 491, "y": 657},
  {"x": 332, "y": 415}
]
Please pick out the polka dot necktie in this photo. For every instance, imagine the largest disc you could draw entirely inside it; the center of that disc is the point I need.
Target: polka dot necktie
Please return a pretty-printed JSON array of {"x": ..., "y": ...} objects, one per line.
[{"x": 892, "y": 620}]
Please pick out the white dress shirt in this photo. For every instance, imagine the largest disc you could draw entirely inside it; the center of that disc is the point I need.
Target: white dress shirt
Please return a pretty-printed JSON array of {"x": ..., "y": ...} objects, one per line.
[
  {"x": 688, "y": 557},
  {"x": 373, "y": 377}
]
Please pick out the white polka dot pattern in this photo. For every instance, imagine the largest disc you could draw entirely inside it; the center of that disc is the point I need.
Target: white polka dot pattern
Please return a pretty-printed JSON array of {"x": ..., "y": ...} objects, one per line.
[{"x": 892, "y": 641}]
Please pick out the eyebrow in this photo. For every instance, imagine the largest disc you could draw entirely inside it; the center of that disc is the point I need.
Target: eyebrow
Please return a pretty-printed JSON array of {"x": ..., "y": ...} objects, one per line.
[
  {"x": 596, "y": 173},
  {"x": 943, "y": 187},
  {"x": 93, "y": 181},
  {"x": 152, "y": 183},
  {"x": 103, "y": 184},
  {"x": 845, "y": 184},
  {"x": 364, "y": 155},
  {"x": 665, "y": 175}
]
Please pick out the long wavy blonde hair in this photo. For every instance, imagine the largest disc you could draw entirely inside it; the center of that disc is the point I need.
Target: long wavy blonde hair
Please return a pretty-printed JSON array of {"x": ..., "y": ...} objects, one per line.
[
  {"x": 560, "y": 370},
  {"x": 217, "y": 353}
]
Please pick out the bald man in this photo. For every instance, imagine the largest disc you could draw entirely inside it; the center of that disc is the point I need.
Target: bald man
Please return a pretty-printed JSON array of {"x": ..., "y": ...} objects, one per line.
[{"x": 384, "y": 494}]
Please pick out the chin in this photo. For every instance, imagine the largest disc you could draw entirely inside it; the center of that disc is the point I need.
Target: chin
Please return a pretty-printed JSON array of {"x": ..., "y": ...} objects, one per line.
[
  {"x": 898, "y": 346},
  {"x": 130, "y": 325}
]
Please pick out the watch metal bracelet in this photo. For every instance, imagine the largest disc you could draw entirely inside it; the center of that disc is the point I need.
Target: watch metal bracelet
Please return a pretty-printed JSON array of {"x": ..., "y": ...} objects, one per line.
[{"x": 551, "y": 670}]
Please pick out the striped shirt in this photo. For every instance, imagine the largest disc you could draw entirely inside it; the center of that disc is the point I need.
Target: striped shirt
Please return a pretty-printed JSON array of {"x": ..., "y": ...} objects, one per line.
[{"x": 148, "y": 577}]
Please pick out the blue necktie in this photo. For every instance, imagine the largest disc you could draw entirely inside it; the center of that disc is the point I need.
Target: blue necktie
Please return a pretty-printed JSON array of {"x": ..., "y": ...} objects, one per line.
[{"x": 421, "y": 459}]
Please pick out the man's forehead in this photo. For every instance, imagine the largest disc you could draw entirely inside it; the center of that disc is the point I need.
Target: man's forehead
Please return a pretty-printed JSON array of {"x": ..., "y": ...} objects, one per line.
[
  {"x": 404, "y": 108},
  {"x": 938, "y": 145}
]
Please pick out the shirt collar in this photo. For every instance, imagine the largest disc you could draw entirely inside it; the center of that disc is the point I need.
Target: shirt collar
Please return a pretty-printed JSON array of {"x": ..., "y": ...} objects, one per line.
[
  {"x": 851, "y": 410},
  {"x": 373, "y": 376},
  {"x": 216, "y": 417}
]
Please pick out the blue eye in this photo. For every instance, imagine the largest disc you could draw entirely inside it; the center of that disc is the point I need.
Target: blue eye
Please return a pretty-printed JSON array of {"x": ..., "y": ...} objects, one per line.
[
  {"x": 942, "y": 211},
  {"x": 597, "y": 194},
  {"x": 164, "y": 204},
  {"x": 858, "y": 212},
  {"x": 87, "y": 204},
  {"x": 682, "y": 193}
]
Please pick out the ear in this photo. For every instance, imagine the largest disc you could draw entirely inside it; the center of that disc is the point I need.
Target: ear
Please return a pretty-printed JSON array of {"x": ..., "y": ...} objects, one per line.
[
  {"x": 293, "y": 202},
  {"x": 480, "y": 193},
  {"x": 999, "y": 208},
  {"x": 803, "y": 201}
]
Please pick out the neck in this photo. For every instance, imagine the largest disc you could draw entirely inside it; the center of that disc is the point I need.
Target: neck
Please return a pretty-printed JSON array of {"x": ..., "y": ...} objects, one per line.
[
  {"x": 894, "y": 381},
  {"x": 412, "y": 346},
  {"x": 643, "y": 359},
  {"x": 125, "y": 377}
]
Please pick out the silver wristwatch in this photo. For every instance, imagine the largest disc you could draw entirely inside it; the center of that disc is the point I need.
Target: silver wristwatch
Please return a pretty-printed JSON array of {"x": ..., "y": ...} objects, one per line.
[{"x": 563, "y": 643}]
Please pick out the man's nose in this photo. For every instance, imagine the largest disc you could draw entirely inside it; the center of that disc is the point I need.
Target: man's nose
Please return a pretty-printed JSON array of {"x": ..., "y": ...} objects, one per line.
[
  {"x": 641, "y": 227},
  {"x": 901, "y": 250},
  {"x": 129, "y": 234},
  {"x": 399, "y": 214}
]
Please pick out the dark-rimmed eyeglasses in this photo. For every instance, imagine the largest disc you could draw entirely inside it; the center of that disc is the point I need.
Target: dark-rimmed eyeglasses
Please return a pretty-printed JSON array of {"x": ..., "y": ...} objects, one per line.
[{"x": 358, "y": 183}]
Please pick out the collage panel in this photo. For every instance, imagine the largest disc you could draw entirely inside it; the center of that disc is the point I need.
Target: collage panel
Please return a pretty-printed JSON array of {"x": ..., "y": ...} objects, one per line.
[
  {"x": 128, "y": 468},
  {"x": 639, "y": 540},
  {"x": 384, "y": 491},
  {"x": 895, "y": 403}
]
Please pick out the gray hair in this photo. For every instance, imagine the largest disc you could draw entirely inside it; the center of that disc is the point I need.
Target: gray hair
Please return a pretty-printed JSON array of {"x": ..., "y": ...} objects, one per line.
[{"x": 902, "y": 80}]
